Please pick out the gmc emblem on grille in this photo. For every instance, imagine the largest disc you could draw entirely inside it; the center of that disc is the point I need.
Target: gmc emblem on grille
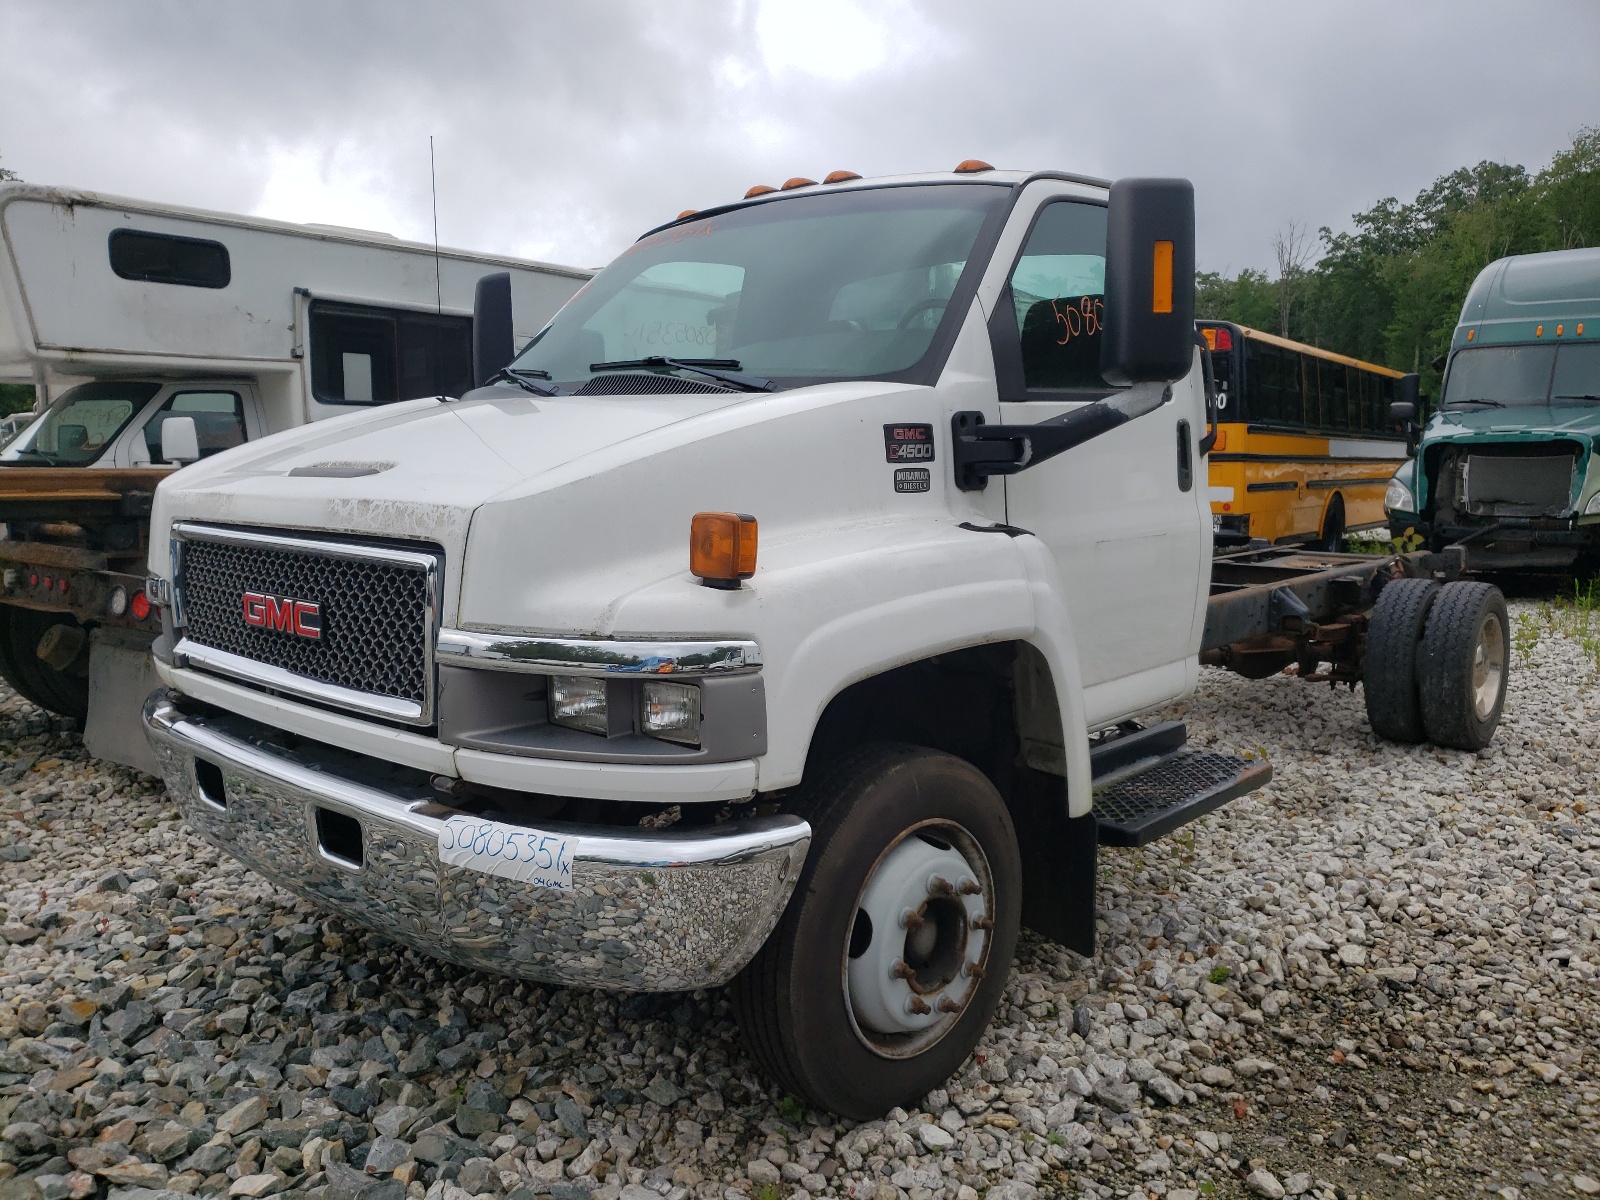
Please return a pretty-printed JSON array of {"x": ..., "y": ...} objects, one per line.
[{"x": 299, "y": 617}]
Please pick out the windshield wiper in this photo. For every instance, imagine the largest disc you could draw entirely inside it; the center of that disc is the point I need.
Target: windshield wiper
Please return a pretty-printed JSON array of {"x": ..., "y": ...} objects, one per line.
[
  {"x": 1485, "y": 403},
  {"x": 525, "y": 377},
  {"x": 723, "y": 370},
  {"x": 40, "y": 455},
  {"x": 1578, "y": 396}
]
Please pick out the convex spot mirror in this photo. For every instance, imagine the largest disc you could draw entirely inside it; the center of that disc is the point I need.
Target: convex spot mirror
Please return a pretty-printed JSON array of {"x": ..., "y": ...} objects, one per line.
[
  {"x": 1149, "y": 305},
  {"x": 180, "y": 442}
]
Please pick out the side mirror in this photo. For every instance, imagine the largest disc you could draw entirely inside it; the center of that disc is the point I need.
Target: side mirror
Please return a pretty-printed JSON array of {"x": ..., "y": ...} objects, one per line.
[
  {"x": 1406, "y": 410},
  {"x": 1149, "y": 305},
  {"x": 180, "y": 443},
  {"x": 493, "y": 343}
]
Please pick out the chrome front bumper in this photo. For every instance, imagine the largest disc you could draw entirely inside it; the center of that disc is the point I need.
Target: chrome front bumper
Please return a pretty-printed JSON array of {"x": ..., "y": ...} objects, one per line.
[{"x": 648, "y": 910}]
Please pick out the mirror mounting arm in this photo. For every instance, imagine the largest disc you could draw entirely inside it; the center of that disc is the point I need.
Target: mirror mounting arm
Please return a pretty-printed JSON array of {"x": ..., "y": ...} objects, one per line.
[{"x": 980, "y": 450}]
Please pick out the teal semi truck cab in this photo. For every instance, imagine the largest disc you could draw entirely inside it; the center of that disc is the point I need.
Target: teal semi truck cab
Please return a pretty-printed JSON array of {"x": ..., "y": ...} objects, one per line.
[{"x": 1506, "y": 466}]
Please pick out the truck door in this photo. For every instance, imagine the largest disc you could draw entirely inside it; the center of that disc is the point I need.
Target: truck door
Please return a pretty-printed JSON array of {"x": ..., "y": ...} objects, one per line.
[
  {"x": 1123, "y": 513},
  {"x": 224, "y": 414}
]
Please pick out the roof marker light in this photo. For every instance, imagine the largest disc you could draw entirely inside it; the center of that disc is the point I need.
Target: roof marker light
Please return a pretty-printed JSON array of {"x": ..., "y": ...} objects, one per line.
[
  {"x": 760, "y": 189},
  {"x": 798, "y": 181},
  {"x": 1538, "y": 331},
  {"x": 688, "y": 212},
  {"x": 1580, "y": 329},
  {"x": 971, "y": 166},
  {"x": 1560, "y": 329},
  {"x": 1471, "y": 333},
  {"x": 839, "y": 176}
]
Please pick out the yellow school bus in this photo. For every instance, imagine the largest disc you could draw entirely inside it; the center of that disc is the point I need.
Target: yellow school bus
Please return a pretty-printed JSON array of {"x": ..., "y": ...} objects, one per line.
[{"x": 1304, "y": 442}]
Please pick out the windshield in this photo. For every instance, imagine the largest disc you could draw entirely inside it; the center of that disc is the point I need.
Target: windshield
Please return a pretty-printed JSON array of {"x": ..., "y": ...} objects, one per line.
[
  {"x": 838, "y": 285},
  {"x": 1523, "y": 376},
  {"x": 76, "y": 429}
]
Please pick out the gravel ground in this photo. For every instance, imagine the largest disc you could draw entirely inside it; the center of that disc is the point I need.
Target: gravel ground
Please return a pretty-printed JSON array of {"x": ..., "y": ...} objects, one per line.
[{"x": 1376, "y": 978}]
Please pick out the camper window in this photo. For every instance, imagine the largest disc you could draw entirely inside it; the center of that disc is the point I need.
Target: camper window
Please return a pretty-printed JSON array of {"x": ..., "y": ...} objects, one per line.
[
  {"x": 218, "y": 422},
  {"x": 371, "y": 355},
  {"x": 80, "y": 425},
  {"x": 165, "y": 258}
]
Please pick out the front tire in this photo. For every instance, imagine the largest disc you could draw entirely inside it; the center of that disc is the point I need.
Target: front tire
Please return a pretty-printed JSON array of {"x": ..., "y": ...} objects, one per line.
[
  {"x": 1462, "y": 665},
  {"x": 853, "y": 1004}
]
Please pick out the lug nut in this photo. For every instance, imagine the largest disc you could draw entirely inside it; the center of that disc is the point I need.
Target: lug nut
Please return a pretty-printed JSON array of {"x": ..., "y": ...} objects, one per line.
[
  {"x": 971, "y": 887},
  {"x": 973, "y": 970},
  {"x": 901, "y": 971},
  {"x": 984, "y": 923},
  {"x": 918, "y": 1006},
  {"x": 940, "y": 886},
  {"x": 912, "y": 919},
  {"x": 950, "y": 1006}
]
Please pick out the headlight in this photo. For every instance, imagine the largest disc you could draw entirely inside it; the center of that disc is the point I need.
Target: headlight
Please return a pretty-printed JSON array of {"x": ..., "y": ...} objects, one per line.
[
  {"x": 670, "y": 711},
  {"x": 1397, "y": 497},
  {"x": 1593, "y": 507},
  {"x": 579, "y": 702}
]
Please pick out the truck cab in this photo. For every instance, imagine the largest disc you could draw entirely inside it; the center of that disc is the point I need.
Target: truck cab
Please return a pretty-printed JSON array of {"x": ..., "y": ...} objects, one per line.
[
  {"x": 779, "y": 616},
  {"x": 1506, "y": 465}
]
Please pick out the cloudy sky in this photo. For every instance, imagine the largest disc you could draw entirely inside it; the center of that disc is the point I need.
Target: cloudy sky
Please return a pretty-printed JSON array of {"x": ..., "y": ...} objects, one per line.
[{"x": 564, "y": 130}]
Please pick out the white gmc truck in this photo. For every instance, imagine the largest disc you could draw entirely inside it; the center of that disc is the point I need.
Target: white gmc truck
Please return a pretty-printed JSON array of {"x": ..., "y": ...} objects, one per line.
[{"x": 779, "y": 615}]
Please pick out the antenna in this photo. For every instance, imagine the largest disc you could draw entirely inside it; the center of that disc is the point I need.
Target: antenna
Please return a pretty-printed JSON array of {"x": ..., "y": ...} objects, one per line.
[{"x": 433, "y": 184}]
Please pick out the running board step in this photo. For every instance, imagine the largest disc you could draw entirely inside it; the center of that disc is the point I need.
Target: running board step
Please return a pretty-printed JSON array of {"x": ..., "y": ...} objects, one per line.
[{"x": 1138, "y": 808}]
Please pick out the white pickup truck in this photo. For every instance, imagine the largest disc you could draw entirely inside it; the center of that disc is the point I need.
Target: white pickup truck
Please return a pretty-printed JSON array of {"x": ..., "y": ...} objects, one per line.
[{"x": 511, "y": 678}]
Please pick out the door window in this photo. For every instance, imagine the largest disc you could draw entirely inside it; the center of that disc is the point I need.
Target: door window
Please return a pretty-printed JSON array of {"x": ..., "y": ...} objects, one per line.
[
  {"x": 1057, "y": 292},
  {"x": 218, "y": 422}
]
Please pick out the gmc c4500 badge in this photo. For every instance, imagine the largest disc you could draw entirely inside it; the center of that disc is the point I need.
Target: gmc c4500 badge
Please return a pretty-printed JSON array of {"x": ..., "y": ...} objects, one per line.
[
  {"x": 908, "y": 443},
  {"x": 299, "y": 617}
]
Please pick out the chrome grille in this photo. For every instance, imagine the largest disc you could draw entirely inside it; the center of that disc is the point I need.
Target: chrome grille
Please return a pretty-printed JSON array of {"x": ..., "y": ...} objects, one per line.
[{"x": 374, "y": 651}]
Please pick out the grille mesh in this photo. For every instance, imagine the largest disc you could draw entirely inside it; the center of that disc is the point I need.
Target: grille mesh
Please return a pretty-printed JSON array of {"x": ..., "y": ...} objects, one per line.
[
  {"x": 643, "y": 385},
  {"x": 374, "y": 615}
]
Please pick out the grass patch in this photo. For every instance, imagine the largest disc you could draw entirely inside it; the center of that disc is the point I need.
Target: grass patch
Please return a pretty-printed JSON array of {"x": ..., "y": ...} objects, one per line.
[
  {"x": 1219, "y": 974},
  {"x": 1574, "y": 616}
]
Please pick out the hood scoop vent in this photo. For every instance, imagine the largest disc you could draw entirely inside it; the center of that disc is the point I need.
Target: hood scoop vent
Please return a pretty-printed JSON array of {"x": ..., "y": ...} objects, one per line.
[
  {"x": 644, "y": 385},
  {"x": 341, "y": 470}
]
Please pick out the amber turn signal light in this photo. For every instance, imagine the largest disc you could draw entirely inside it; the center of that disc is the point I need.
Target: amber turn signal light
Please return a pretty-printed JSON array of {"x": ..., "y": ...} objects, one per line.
[
  {"x": 722, "y": 548},
  {"x": 760, "y": 189},
  {"x": 972, "y": 166}
]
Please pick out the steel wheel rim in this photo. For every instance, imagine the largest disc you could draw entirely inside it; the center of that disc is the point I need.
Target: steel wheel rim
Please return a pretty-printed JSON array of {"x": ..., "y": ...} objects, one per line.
[
  {"x": 1488, "y": 666},
  {"x": 899, "y": 966}
]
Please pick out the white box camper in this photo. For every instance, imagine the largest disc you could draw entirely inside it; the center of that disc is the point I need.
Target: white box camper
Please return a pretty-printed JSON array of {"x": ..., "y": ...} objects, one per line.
[{"x": 155, "y": 335}]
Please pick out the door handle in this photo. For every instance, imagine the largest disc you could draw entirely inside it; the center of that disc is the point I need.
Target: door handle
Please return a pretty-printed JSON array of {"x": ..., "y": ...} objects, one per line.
[{"x": 1185, "y": 457}]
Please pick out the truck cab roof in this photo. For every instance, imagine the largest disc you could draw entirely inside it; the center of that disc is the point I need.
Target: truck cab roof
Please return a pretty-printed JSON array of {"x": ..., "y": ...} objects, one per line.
[
  {"x": 1513, "y": 298},
  {"x": 767, "y": 193}
]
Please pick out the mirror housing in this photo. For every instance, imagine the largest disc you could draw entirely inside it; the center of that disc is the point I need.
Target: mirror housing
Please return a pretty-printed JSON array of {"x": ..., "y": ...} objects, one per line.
[
  {"x": 180, "y": 442},
  {"x": 493, "y": 343},
  {"x": 1149, "y": 305},
  {"x": 1407, "y": 411}
]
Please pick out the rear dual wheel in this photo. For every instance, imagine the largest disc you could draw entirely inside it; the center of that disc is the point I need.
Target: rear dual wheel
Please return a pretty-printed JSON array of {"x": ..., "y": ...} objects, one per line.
[
  {"x": 63, "y": 690},
  {"x": 893, "y": 952},
  {"x": 1436, "y": 663}
]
